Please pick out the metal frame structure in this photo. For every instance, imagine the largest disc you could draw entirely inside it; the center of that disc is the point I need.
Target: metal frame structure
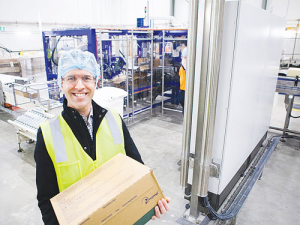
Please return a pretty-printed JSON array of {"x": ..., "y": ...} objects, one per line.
[
  {"x": 27, "y": 125},
  {"x": 170, "y": 36},
  {"x": 101, "y": 41},
  {"x": 291, "y": 59},
  {"x": 47, "y": 35},
  {"x": 222, "y": 136},
  {"x": 289, "y": 86}
]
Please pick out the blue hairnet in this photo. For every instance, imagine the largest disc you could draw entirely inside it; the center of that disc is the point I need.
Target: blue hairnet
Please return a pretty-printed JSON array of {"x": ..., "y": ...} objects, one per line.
[{"x": 76, "y": 59}]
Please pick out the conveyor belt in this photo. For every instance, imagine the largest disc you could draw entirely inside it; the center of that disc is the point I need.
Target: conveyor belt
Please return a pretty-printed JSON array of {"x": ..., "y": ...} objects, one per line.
[
  {"x": 28, "y": 124},
  {"x": 288, "y": 85},
  {"x": 31, "y": 119}
]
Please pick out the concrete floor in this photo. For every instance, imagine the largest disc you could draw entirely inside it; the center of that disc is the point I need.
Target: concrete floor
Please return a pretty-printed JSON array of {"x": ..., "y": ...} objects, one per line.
[{"x": 274, "y": 200}]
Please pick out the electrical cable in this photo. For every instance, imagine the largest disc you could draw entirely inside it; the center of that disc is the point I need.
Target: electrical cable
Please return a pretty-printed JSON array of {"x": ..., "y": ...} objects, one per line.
[
  {"x": 9, "y": 51},
  {"x": 55, "y": 47},
  {"x": 246, "y": 176},
  {"x": 295, "y": 117},
  {"x": 243, "y": 194}
]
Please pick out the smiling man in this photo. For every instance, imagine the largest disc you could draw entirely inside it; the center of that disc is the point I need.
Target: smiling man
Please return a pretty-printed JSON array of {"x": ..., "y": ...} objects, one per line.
[{"x": 82, "y": 137}]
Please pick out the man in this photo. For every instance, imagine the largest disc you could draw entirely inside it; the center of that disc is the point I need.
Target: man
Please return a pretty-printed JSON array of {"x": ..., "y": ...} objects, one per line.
[{"x": 81, "y": 138}]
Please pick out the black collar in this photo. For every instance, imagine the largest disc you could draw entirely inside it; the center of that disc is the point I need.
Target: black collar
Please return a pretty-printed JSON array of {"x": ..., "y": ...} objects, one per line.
[{"x": 98, "y": 111}]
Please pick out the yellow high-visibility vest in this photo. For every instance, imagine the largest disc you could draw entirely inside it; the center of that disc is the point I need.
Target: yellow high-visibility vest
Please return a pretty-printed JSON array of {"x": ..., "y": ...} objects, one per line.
[{"x": 70, "y": 161}]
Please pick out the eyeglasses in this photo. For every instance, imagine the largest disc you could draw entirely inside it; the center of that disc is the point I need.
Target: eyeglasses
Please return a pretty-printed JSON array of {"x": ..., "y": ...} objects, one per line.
[{"x": 86, "y": 79}]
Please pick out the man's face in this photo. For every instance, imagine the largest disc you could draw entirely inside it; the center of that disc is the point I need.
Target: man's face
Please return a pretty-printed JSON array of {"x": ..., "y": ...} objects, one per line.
[{"x": 78, "y": 92}]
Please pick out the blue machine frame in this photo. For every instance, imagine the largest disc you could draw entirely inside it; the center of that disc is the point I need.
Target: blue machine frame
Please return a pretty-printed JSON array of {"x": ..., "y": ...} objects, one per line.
[
  {"x": 114, "y": 65},
  {"x": 92, "y": 45}
]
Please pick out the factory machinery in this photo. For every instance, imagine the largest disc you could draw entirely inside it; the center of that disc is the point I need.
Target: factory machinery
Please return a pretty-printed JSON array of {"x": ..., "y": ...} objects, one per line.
[
  {"x": 32, "y": 102},
  {"x": 290, "y": 87},
  {"x": 21, "y": 92},
  {"x": 142, "y": 62},
  {"x": 228, "y": 106},
  {"x": 27, "y": 124},
  {"x": 228, "y": 99},
  {"x": 290, "y": 53}
]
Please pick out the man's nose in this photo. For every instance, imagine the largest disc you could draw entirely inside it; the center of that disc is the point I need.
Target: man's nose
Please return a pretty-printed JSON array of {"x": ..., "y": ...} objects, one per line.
[{"x": 79, "y": 84}]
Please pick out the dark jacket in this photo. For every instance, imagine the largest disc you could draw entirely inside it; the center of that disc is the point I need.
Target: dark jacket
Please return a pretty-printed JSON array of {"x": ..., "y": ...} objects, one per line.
[{"x": 46, "y": 180}]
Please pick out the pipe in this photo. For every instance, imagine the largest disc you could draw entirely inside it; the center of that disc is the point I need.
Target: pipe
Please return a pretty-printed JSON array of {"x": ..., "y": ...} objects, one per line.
[
  {"x": 101, "y": 59},
  {"x": 209, "y": 77},
  {"x": 148, "y": 14},
  {"x": 151, "y": 55},
  {"x": 132, "y": 75},
  {"x": 212, "y": 68},
  {"x": 296, "y": 37},
  {"x": 189, "y": 90},
  {"x": 194, "y": 210},
  {"x": 264, "y": 4},
  {"x": 172, "y": 8},
  {"x": 286, "y": 130},
  {"x": 127, "y": 85},
  {"x": 163, "y": 74}
]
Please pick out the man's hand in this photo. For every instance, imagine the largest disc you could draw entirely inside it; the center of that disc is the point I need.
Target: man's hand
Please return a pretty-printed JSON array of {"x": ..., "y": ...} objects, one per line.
[{"x": 162, "y": 207}]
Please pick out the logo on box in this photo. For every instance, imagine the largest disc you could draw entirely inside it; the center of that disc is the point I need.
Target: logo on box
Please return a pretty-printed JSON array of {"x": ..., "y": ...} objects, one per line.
[{"x": 146, "y": 199}]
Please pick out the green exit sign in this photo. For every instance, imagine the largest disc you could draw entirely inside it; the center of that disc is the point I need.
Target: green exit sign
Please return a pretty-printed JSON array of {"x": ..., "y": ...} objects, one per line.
[{"x": 2, "y": 29}]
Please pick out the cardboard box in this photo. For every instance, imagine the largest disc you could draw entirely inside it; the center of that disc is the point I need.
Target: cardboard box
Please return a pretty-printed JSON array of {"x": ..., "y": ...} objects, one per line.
[
  {"x": 121, "y": 191},
  {"x": 26, "y": 94},
  {"x": 143, "y": 64},
  {"x": 155, "y": 63}
]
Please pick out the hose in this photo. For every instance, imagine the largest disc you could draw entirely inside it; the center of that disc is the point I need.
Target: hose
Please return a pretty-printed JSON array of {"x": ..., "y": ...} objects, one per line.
[
  {"x": 295, "y": 117},
  {"x": 55, "y": 47},
  {"x": 9, "y": 51}
]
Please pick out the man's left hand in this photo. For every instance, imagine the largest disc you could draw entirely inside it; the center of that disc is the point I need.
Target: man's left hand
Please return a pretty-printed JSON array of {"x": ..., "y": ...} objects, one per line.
[{"x": 162, "y": 208}]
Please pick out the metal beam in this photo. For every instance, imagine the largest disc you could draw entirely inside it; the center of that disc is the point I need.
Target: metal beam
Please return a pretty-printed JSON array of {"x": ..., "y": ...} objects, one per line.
[{"x": 209, "y": 78}]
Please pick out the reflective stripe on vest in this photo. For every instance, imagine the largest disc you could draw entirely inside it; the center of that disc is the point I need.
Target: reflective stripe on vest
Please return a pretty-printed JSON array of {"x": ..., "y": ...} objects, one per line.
[
  {"x": 59, "y": 144},
  {"x": 70, "y": 160},
  {"x": 114, "y": 129}
]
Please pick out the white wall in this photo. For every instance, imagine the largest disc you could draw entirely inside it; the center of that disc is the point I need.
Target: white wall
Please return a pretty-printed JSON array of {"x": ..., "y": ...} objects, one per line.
[
  {"x": 181, "y": 11},
  {"x": 289, "y": 9},
  {"x": 21, "y": 18},
  {"x": 293, "y": 10},
  {"x": 92, "y": 12},
  {"x": 96, "y": 13},
  {"x": 278, "y": 7},
  {"x": 256, "y": 3},
  {"x": 182, "y": 8}
]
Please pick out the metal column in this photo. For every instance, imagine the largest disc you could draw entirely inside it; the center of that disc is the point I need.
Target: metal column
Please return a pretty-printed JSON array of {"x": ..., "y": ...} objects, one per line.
[
  {"x": 209, "y": 78},
  {"x": 189, "y": 90},
  {"x": 127, "y": 85},
  {"x": 101, "y": 59},
  {"x": 289, "y": 101},
  {"x": 151, "y": 85},
  {"x": 295, "y": 42},
  {"x": 132, "y": 75},
  {"x": 213, "y": 64},
  {"x": 163, "y": 74},
  {"x": 2, "y": 100}
]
